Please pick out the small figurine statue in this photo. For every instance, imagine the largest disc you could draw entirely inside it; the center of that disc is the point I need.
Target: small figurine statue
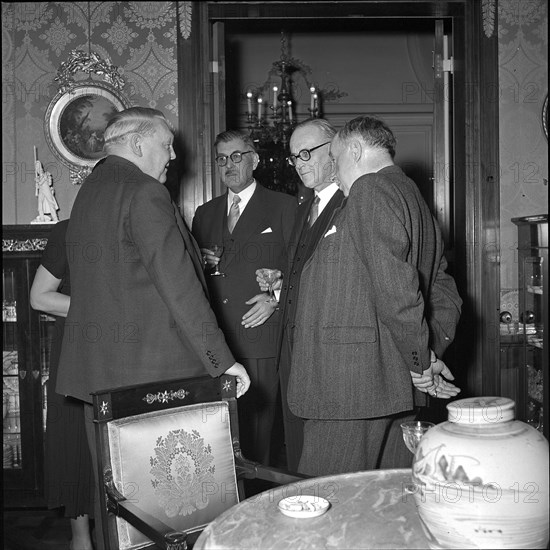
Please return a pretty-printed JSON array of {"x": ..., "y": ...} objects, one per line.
[{"x": 47, "y": 205}]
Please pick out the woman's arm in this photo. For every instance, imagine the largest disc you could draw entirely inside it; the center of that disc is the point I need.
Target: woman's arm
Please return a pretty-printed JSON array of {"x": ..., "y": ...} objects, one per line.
[{"x": 44, "y": 295}]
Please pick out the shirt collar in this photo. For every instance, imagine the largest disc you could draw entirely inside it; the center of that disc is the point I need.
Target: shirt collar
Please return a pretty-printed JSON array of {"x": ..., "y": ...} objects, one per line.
[
  {"x": 245, "y": 195},
  {"x": 325, "y": 195}
]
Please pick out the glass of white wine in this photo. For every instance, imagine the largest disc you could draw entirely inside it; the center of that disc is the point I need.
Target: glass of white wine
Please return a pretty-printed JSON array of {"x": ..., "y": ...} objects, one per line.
[
  {"x": 270, "y": 276},
  {"x": 217, "y": 251},
  {"x": 412, "y": 434}
]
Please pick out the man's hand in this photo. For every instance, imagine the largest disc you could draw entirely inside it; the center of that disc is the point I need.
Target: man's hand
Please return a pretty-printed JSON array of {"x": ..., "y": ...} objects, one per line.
[
  {"x": 261, "y": 311},
  {"x": 264, "y": 287},
  {"x": 209, "y": 258},
  {"x": 432, "y": 380},
  {"x": 243, "y": 380}
]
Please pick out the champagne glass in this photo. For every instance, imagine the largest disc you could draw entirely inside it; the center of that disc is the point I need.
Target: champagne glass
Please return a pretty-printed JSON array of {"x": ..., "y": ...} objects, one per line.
[
  {"x": 412, "y": 434},
  {"x": 217, "y": 250},
  {"x": 270, "y": 276}
]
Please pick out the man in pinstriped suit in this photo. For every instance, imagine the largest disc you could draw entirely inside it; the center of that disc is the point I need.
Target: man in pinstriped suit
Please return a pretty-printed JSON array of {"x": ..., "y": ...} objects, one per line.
[
  {"x": 309, "y": 147},
  {"x": 374, "y": 302}
]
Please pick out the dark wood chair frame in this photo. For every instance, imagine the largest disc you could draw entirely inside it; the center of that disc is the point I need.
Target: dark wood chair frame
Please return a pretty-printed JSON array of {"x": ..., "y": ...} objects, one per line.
[{"x": 119, "y": 403}]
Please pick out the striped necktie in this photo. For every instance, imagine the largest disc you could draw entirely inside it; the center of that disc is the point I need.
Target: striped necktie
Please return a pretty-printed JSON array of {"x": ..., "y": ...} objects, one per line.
[
  {"x": 314, "y": 211},
  {"x": 234, "y": 213}
]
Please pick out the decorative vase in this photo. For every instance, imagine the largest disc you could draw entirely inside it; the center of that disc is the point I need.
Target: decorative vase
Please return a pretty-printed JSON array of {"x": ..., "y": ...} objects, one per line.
[{"x": 482, "y": 478}]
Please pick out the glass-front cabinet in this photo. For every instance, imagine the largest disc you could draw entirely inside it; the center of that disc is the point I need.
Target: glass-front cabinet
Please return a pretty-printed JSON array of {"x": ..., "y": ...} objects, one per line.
[
  {"x": 27, "y": 337},
  {"x": 532, "y": 401}
]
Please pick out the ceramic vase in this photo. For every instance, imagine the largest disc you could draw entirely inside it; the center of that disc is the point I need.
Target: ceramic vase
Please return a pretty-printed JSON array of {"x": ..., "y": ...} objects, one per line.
[{"x": 482, "y": 478}]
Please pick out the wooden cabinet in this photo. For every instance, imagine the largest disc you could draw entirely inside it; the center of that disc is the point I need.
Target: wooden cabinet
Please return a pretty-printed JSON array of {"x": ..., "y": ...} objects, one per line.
[
  {"x": 27, "y": 336},
  {"x": 532, "y": 384}
]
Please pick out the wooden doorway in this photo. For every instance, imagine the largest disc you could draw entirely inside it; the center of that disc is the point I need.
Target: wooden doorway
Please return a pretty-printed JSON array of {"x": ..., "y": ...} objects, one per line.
[{"x": 470, "y": 202}]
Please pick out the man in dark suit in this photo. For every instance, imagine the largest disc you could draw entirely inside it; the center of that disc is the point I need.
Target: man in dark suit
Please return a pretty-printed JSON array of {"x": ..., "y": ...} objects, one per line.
[
  {"x": 139, "y": 308},
  {"x": 374, "y": 302},
  {"x": 309, "y": 147},
  {"x": 253, "y": 225}
]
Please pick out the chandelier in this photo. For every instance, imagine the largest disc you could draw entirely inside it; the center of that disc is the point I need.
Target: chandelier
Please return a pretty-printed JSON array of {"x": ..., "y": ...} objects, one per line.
[{"x": 272, "y": 116}]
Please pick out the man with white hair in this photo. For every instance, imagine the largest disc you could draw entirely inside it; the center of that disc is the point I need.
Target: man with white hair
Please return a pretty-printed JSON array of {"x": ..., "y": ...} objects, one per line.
[{"x": 139, "y": 308}]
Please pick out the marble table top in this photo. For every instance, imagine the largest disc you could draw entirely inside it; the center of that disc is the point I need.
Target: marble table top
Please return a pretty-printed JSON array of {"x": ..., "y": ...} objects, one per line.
[{"x": 368, "y": 509}]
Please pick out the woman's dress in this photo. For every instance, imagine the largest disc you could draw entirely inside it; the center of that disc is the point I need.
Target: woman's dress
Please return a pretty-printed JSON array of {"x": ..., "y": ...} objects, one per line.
[{"x": 68, "y": 467}]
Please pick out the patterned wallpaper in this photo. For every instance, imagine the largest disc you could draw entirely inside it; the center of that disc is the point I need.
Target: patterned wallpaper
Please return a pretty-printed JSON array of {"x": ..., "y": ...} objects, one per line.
[
  {"x": 138, "y": 37},
  {"x": 523, "y": 78}
]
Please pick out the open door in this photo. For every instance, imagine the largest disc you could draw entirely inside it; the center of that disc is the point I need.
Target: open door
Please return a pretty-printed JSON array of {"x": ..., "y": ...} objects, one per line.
[
  {"x": 443, "y": 144},
  {"x": 462, "y": 127}
]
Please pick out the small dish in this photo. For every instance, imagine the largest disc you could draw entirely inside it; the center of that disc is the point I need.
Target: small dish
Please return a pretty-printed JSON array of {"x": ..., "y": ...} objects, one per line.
[{"x": 303, "y": 506}]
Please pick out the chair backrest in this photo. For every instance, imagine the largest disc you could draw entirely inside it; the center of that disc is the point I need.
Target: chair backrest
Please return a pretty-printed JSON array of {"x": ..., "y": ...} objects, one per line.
[{"x": 169, "y": 449}]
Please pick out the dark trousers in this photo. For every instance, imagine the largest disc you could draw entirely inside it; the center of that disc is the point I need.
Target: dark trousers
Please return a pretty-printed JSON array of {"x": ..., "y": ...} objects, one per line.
[
  {"x": 257, "y": 409},
  {"x": 340, "y": 446},
  {"x": 293, "y": 425},
  {"x": 98, "y": 495}
]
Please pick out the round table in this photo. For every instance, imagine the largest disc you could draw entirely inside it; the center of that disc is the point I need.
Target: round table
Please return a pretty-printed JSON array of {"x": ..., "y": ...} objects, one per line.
[{"x": 368, "y": 509}]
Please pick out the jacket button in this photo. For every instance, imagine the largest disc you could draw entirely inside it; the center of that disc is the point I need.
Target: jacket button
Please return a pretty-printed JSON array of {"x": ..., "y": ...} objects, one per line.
[{"x": 225, "y": 300}]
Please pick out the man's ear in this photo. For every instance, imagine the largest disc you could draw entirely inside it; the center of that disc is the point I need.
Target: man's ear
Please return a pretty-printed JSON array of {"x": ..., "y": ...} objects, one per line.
[
  {"x": 356, "y": 150},
  {"x": 256, "y": 161},
  {"x": 135, "y": 143}
]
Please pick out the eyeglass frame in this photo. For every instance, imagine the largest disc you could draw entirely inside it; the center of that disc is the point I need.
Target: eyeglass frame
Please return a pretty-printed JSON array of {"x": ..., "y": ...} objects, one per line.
[
  {"x": 291, "y": 159},
  {"x": 240, "y": 153}
]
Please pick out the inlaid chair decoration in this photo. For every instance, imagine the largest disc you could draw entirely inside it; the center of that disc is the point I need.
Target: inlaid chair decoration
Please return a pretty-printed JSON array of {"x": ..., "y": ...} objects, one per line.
[{"x": 169, "y": 460}]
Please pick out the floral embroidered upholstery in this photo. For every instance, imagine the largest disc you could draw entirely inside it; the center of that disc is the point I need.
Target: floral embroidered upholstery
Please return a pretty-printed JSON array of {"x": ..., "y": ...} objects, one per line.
[{"x": 177, "y": 465}]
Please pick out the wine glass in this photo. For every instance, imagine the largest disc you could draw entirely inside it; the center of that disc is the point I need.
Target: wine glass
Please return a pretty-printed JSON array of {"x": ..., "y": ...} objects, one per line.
[
  {"x": 412, "y": 434},
  {"x": 270, "y": 276},
  {"x": 217, "y": 250}
]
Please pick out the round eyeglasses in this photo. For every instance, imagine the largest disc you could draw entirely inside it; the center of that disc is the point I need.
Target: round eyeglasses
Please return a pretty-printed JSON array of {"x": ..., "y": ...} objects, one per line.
[
  {"x": 236, "y": 157},
  {"x": 304, "y": 154}
]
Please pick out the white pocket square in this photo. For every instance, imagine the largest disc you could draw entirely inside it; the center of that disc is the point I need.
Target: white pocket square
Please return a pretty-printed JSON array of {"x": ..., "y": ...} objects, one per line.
[
  {"x": 330, "y": 231},
  {"x": 268, "y": 230}
]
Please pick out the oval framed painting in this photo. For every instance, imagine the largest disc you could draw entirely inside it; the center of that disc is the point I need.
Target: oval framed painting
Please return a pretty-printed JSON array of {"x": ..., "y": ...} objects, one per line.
[{"x": 75, "y": 122}]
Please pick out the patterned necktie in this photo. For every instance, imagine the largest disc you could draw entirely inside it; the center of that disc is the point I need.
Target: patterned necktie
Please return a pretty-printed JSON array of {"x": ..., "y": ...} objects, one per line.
[
  {"x": 234, "y": 213},
  {"x": 314, "y": 212}
]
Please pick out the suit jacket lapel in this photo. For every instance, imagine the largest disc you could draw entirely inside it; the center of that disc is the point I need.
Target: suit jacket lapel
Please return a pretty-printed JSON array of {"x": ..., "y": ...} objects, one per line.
[
  {"x": 299, "y": 226},
  {"x": 323, "y": 223},
  {"x": 325, "y": 219},
  {"x": 219, "y": 221}
]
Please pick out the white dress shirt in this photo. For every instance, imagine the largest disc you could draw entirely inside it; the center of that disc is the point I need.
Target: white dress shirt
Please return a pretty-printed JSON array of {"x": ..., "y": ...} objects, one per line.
[
  {"x": 245, "y": 195},
  {"x": 325, "y": 195}
]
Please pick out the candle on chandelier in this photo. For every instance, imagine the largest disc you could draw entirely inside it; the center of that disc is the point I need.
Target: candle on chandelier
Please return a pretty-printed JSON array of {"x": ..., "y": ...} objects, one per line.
[
  {"x": 312, "y": 102},
  {"x": 260, "y": 100},
  {"x": 275, "y": 90},
  {"x": 289, "y": 103},
  {"x": 249, "y": 101}
]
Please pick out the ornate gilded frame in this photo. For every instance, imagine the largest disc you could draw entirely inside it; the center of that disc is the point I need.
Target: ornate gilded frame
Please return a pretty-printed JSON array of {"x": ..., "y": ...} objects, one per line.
[{"x": 78, "y": 114}]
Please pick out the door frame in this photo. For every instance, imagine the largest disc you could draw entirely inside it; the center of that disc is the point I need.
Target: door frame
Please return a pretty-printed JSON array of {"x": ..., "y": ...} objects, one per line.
[{"x": 474, "y": 357}]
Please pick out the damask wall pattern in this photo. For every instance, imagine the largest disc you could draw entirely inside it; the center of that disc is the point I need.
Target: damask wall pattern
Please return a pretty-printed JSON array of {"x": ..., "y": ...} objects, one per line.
[
  {"x": 138, "y": 37},
  {"x": 523, "y": 79}
]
